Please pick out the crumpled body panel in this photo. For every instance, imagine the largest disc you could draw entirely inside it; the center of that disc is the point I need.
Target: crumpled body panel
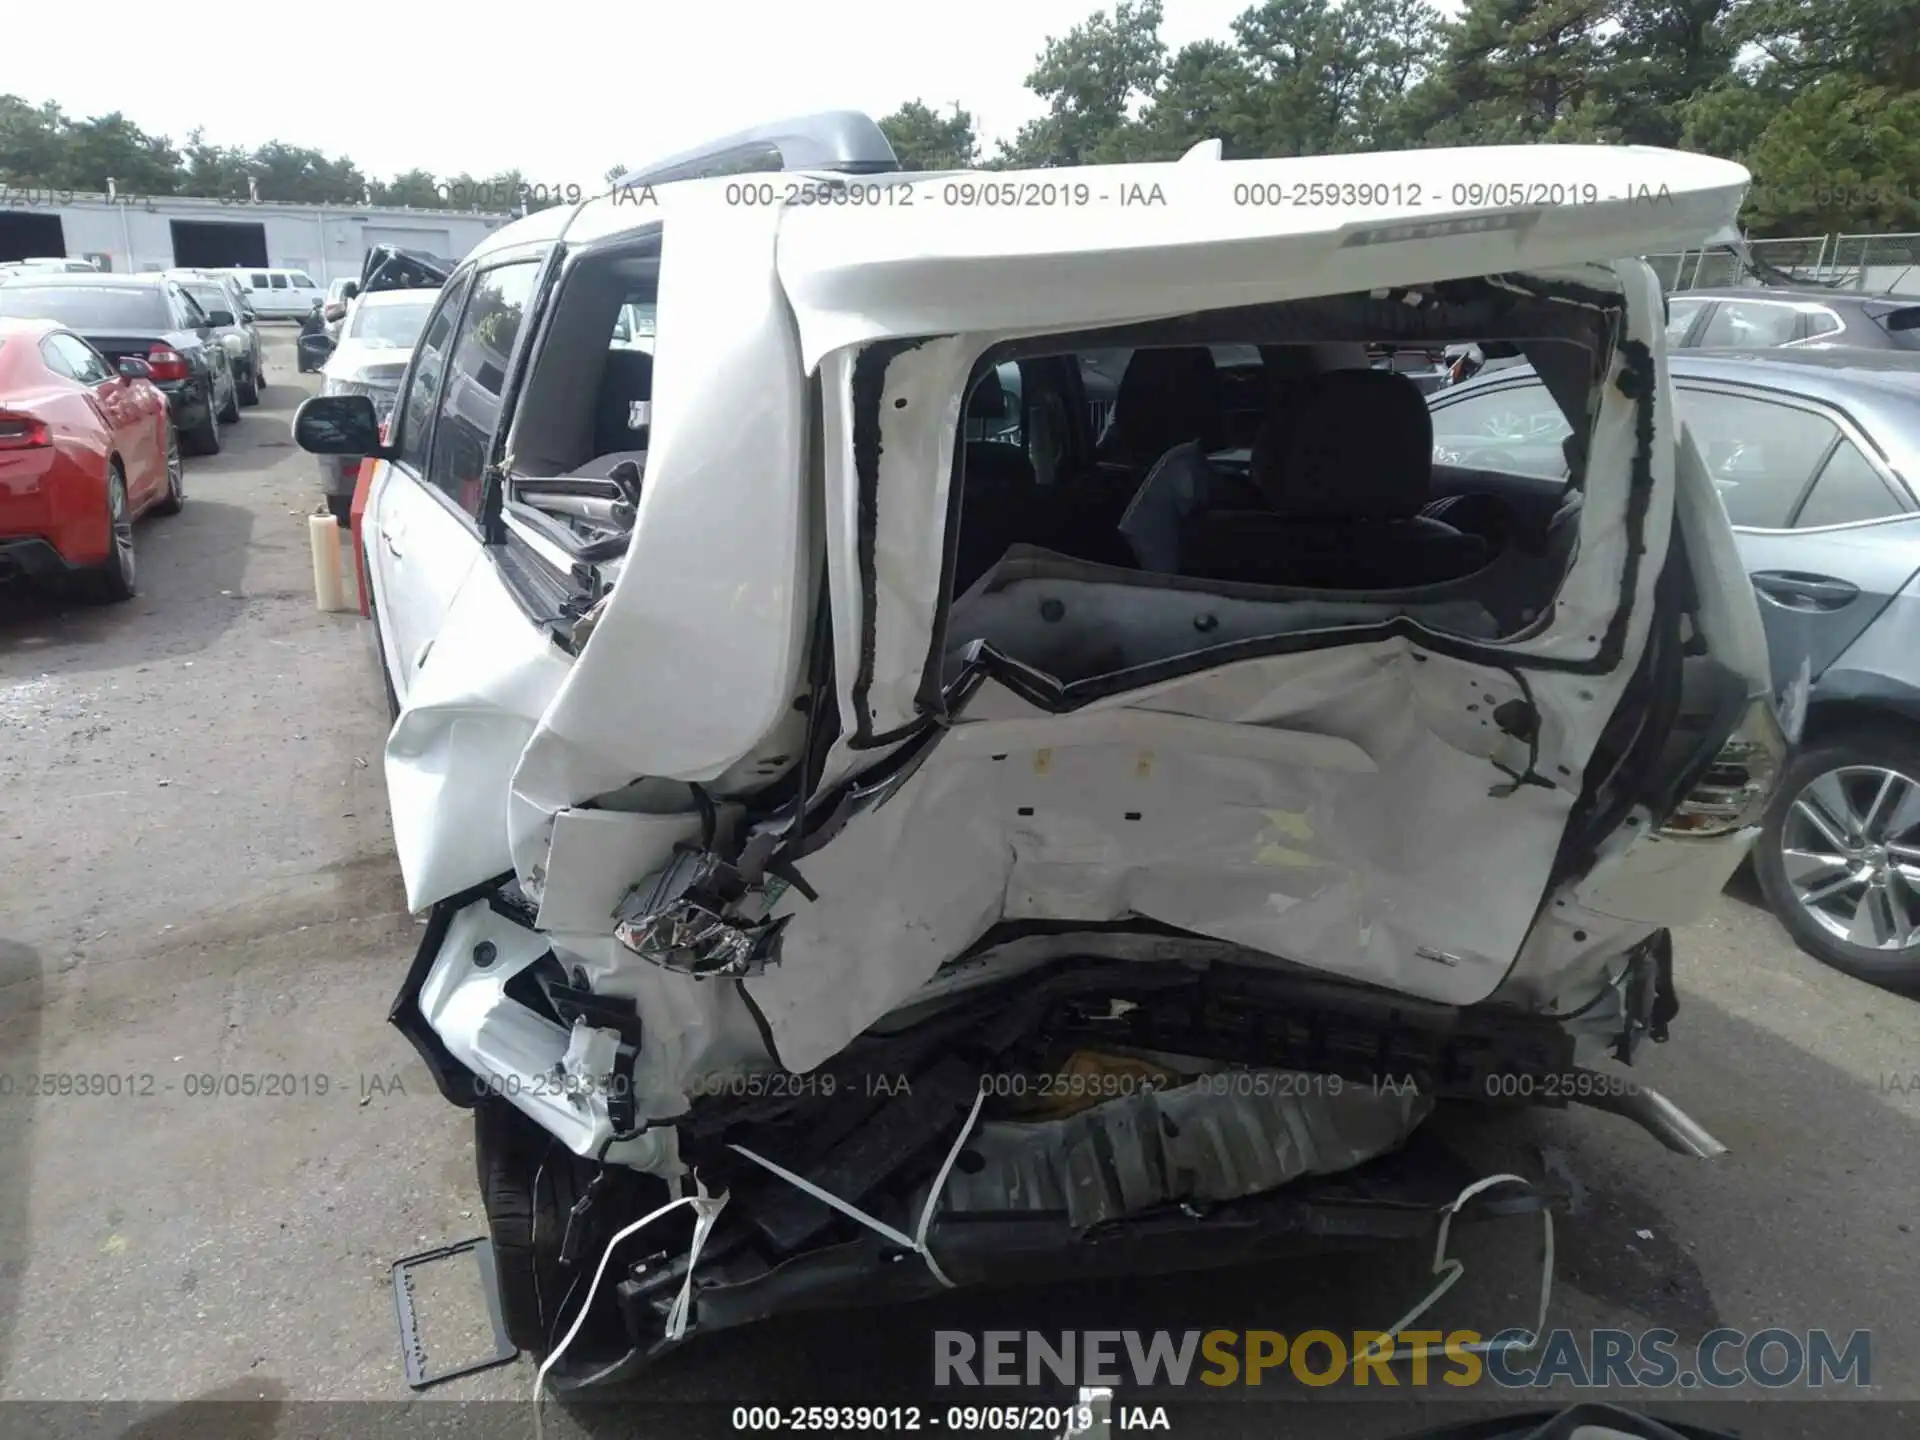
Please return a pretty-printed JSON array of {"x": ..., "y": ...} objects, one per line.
[{"x": 1332, "y": 808}]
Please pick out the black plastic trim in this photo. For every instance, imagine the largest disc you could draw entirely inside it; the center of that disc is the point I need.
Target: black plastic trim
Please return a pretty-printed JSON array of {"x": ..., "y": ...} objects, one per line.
[{"x": 454, "y": 1081}]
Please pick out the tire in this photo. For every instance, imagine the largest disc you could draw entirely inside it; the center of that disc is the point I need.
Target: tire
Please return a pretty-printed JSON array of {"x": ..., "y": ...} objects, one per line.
[
  {"x": 249, "y": 386},
  {"x": 1833, "y": 784},
  {"x": 206, "y": 439},
  {"x": 113, "y": 580},
  {"x": 511, "y": 1153},
  {"x": 230, "y": 411},
  {"x": 175, "y": 499}
]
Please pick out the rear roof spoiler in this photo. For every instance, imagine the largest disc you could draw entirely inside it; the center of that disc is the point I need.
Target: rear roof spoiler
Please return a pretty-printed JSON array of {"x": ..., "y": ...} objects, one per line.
[{"x": 845, "y": 142}]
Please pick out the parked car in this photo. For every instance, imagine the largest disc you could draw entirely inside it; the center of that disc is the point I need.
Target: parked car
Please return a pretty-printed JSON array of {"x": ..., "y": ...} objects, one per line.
[
  {"x": 1770, "y": 316},
  {"x": 1816, "y": 454},
  {"x": 804, "y": 794},
  {"x": 85, "y": 449},
  {"x": 47, "y": 262},
  {"x": 381, "y": 331},
  {"x": 278, "y": 294},
  {"x": 152, "y": 319},
  {"x": 231, "y": 314}
]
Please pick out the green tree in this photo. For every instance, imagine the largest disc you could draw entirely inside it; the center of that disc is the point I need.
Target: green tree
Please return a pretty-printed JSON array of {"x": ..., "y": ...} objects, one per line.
[
  {"x": 113, "y": 147},
  {"x": 924, "y": 139},
  {"x": 1330, "y": 75},
  {"x": 1843, "y": 155},
  {"x": 1207, "y": 93},
  {"x": 1808, "y": 40},
  {"x": 1665, "y": 56},
  {"x": 410, "y": 187},
  {"x": 1092, "y": 79},
  {"x": 32, "y": 142},
  {"x": 212, "y": 170},
  {"x": 1514, "y": 71}
]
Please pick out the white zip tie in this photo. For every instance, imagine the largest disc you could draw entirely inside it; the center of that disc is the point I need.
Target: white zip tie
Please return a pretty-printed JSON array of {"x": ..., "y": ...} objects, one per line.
[
  {"x": 917, "y": 1242},
  {"x": 706, "y": 1210},
  {"x": 1450, "y": 1270}
]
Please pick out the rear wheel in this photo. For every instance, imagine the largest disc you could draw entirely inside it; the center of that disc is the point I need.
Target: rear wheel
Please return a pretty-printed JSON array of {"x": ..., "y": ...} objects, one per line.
[
  {"x": 175, "y": 499},
  {"x": 1839, "y": 854},
  {"x": 530, "y": 1182},
  {"x": 230, "y": 410},
  {"x": 204, "y": 439},
  {"x": 113, "y": 579},
  {"x": 249, "y": 386}
]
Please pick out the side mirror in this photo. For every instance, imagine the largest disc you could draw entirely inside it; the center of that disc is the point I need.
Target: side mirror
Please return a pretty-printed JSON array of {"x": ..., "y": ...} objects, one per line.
[
  {"x": 217, "y": 318},
  {"x": 132, "y": 367},
  {"x": 314, "y": 349},
  {"x": 339, "y": 425}
]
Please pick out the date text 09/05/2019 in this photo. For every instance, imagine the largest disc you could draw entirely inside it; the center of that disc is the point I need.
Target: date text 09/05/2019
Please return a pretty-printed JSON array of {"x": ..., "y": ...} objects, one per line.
[{"x": 1048, "y": 1420}]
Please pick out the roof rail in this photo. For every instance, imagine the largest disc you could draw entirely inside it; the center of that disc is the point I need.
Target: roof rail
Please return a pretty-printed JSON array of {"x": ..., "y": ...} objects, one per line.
[{"x": 843, "y": 141}]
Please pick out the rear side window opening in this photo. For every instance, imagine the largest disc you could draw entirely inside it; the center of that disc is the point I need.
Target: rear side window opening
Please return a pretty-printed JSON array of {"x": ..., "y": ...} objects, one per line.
[
  {"x": 1266, "y": 471},
  {"x": 579, "y": 441}
]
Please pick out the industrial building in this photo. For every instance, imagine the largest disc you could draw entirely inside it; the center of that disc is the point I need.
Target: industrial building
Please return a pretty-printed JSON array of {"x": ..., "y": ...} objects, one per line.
[{"x": 125, "y": 233}]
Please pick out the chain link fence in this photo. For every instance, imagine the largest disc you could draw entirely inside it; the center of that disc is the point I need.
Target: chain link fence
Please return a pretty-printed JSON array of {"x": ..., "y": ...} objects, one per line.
[{"x": 1881, "y": 264}]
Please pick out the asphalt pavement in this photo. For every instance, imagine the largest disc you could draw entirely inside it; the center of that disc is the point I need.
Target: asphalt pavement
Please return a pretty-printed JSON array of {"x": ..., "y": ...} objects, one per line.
[{"x": 197, "y": 882}]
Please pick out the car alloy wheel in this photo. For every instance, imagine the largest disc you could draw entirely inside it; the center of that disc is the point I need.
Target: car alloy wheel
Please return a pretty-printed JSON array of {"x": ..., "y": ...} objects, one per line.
[
  {"x": 120, "y": 522},
  {"x": 1850, "y": 850},
  {"x": 176, "y": 496}
]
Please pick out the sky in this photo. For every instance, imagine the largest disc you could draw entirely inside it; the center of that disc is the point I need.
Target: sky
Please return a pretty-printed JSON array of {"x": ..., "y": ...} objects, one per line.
[{"x": 560, "y": 90}]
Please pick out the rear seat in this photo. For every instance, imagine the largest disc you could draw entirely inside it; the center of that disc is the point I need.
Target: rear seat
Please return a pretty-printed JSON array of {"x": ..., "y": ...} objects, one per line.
[{"x": 1343, "y": 463}]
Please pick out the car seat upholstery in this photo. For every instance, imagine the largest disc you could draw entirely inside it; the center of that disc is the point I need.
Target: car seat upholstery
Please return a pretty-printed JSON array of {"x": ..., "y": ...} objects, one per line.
[
  {"x": 1165, "y": 398},
  {"x": 1344, "y": 463}
]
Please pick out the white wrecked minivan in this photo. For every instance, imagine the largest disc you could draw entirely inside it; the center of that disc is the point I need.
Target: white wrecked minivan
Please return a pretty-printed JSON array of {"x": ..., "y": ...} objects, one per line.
[{"x": 992, "y": 748}]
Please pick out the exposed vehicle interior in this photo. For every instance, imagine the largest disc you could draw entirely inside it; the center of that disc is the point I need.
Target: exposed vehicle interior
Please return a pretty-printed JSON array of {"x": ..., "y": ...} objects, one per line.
[
  {"x": 580, "y": 439},
  {"x": 1293, "y": 462}
]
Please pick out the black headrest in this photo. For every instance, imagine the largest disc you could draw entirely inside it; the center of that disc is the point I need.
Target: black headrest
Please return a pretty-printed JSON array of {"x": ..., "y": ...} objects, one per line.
[
  {"x": 989, "y": 398},
  {"x": 1346, "y": 445},
  {"x": 1166, "y": 398},
  {"x": 994, "y": 465},
  {"x": 626, "y": 379}
]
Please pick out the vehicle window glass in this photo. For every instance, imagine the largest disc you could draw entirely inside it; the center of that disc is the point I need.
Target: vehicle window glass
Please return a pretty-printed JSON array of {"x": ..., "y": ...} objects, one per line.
[
  {"x": 56, "y": 359},
  {"x": 88, "y": 307},
  {"x": 470, "y": 402},
  {"x": 279, "y": 282},
  {"x": 1819, "y": 322},
  {"x": 83, "y": 362},
  {"x": 633, "y": 327},
  {"x": 398, "y": 324},
  {"x": 1680, "y": 317},
  {"x": 190, "y": 310},
  {"x": 1509, "y": 429},
  {"x": 259, "y": 281},
  {"x": 1849, "y": 489},
  {"x": 303, "y": 282},
  {"x": 209, "y": 297},
  {"x": 1750, "y": 323},
  {"x": 423, "y": 389},
  {"x": 1759, "y": 453}
]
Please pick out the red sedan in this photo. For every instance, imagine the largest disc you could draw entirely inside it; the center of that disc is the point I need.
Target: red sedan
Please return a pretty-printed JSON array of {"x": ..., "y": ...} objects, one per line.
[{"x": 85, "y": 448}]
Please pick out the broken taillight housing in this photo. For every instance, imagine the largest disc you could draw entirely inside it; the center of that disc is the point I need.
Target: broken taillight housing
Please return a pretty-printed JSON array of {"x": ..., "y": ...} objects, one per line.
[{"x": 1733, "y": 792}]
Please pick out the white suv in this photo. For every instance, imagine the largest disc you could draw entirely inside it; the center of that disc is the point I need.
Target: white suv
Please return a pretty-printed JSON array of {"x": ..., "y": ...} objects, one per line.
[{"x": 823, "y": 752}]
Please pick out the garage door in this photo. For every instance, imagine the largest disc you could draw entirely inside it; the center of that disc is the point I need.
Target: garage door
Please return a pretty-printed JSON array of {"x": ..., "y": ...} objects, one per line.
[{"x": 434, "y": 242}]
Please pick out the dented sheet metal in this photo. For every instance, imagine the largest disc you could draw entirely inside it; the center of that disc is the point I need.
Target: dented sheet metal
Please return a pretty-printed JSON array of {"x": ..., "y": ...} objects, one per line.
[{"x": 1218, "y": 1138}]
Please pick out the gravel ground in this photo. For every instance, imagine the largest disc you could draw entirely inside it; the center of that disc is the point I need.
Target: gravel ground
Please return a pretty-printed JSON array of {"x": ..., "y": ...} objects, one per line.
[{"x": 196, "y": 879}]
